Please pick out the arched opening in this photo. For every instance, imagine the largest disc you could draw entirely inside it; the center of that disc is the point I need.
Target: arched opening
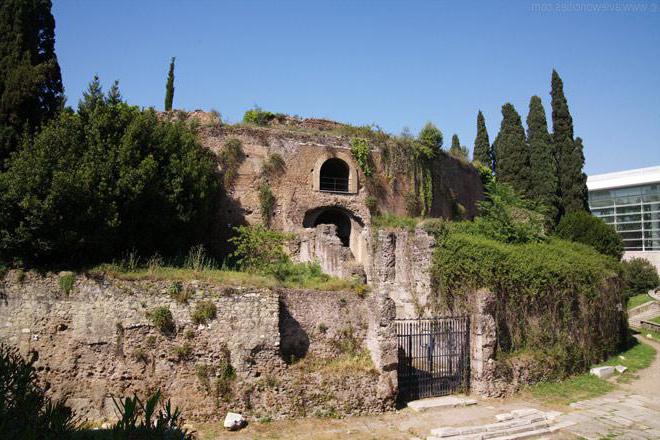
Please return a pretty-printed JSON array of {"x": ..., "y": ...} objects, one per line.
[
  {"x": 331, "y": 216},
  {"x": 334, "y": 176},
  {"x": 340, "y": 220}
]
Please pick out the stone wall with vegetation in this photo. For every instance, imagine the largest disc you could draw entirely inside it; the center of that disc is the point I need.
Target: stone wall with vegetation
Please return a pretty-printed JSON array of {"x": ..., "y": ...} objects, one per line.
[{"x": 218, "y": 348}]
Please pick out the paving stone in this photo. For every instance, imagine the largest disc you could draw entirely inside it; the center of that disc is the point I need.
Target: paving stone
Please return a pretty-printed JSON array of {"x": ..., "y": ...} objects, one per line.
[
  {"x": 522, "y": 412},
  {"x": 440, "y": 402}
]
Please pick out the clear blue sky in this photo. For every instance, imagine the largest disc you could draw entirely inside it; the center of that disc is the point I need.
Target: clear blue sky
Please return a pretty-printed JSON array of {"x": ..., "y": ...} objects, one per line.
[{"x": 394, "y": 63}]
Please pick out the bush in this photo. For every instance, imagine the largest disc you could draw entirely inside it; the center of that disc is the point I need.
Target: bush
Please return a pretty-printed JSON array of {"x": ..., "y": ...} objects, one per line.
[
  {"x": 161, "y": 317},
  {"x": 258, "y": 116},
  {"x": 259, "y": 249},
  {"x": 507, "y": 217},
  {"x": 111, "y": 177},
  {"x": 639, "y": 276},
  {"x": 66, "y": 281},
  {"x": 204, "y": 312},
  {"x": 138, "y": 420},
  {"x": 583, "y": 227},
  {"x": 25, "y": 411}
]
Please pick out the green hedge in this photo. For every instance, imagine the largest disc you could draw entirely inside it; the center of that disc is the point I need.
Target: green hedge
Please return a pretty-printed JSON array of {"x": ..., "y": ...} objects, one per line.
[{"x": 557, "y": 303}]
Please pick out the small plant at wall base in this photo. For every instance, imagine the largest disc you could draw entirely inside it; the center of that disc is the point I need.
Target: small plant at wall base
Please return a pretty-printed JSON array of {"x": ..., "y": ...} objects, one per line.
[
  {"x": 362, "y": 154},
  {"x": 138, "y": 420},
  {"x": 162, "y": 319}
]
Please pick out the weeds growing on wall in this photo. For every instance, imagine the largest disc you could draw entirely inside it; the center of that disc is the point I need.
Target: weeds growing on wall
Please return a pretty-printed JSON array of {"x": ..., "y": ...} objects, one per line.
[
  {"x": 266, "y": 203},
  {"x": 230, "y": 158},
  {"x": 362, "y": 155},
  {"x": 273, "y": 166}
]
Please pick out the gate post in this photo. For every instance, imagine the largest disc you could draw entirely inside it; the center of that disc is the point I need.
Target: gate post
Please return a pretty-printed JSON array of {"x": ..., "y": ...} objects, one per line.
[{"x": 483, "y": 341}]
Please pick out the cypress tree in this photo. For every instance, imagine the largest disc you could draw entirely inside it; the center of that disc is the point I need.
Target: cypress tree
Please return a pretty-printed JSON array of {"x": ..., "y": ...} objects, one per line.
[
  {"x": 543, "y": 166},
  {"x": 576, "y": 195},
  {"x": 512, "y": 153},
  {"x": 456, "y": 149},
  {"x": 482, "y": 149},
  {"x": 31, "y": 90},
  {"x": 169, "y": 88},
  {"x": 570, "y": 158}
]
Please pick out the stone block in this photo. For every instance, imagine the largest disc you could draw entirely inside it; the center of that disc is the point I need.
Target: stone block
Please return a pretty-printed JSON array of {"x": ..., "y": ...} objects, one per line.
[{"x": 602, "y": 372}]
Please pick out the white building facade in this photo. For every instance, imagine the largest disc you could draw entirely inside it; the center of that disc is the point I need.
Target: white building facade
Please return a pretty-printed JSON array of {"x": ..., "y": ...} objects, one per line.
[{"x": 630, "y": 201}]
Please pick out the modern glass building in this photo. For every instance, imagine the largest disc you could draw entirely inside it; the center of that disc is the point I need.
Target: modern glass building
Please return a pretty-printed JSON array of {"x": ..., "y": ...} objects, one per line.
[{"x": 630, "y": 201}]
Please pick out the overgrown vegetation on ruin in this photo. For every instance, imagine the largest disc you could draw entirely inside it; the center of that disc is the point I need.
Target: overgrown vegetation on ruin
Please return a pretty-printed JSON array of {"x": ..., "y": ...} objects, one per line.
[
  {"x": 259, "y": 260},
  {"x": 557, "y": 304}
]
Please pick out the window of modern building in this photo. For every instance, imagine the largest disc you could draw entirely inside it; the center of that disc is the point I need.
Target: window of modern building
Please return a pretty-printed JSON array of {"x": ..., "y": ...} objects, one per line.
[{"x": 631, "y": 204}]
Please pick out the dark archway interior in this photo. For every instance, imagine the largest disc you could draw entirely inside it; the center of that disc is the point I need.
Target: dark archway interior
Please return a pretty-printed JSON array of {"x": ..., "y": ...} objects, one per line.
[
  {"x": 339, "y": 219},
  {"x": 334, "y": 175}
]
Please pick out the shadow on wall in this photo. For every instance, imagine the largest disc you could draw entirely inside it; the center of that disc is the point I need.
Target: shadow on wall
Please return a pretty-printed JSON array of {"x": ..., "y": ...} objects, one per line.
[
  {"x": 230, "y": 215},
  {"x": 294, "y": 341}
]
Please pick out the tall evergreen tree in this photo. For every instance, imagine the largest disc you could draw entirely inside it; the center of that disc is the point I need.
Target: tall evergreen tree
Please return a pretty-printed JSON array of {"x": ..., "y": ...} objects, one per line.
[
  {"x": 570, "y": 158},
  {"x": 457, "y": 150},
  {"x": 543, "y": 165},
  {"x": 169, "y": 88},
  {"x": 92, "y": 97},
  {"x": 482, "y": 149},
  {"x": 512, "y": 152},
  {"x": 114, "y": 95},
  {"x": 31, "y": 89}
]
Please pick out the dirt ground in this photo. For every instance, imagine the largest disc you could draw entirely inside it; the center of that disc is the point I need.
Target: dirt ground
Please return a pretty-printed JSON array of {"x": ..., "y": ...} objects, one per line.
[{"x": 405, "y": 423}]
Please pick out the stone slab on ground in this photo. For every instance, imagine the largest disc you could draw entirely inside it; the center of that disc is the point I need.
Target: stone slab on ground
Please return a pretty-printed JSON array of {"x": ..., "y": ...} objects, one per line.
[
  {"x": 602, "y": 372},
  {"x": 440, "y": 402}
]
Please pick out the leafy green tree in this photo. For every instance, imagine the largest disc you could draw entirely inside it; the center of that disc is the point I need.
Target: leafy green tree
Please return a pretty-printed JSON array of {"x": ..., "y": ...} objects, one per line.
[
  {"x": 482, "y": 150},
  {"x": 105, "y": 180},
  {"x": 31, "y": 91},
  {"x": 169, "y": 88},
  {"x": 512, "y": 152},
  {"x": 457, "y": 150},
  {"x": 543, "y": 166},
  {"x": 639, "y": 276},
  {"x": 582, "y": 227},
  {"x": 429, "y": 141},
  {"x": 570, "y": 158}
]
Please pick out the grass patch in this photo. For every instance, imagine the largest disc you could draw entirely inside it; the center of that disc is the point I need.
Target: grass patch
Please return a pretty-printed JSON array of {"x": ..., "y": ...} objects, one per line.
[
  {"x": 638, "y": 300},
  {"x": 585, "y": 386},
  {"x": 573, "y": 389},
  {"x": 222, "y": 276},
  {"x": 66, "y": 282},
  {"x": 395, "y": 221},
  {"x": 656, "y": 320},
  {"x": 347, "y": 363},
  {"x": 636, "y": 358}
]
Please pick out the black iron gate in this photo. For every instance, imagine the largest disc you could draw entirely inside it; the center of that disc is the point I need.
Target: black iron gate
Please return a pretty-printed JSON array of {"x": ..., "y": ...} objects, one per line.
[{"x": 434, "y": 356}]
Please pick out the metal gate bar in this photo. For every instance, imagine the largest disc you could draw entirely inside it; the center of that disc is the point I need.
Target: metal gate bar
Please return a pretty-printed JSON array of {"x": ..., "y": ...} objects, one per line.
[{"x": 433, "y": 356}]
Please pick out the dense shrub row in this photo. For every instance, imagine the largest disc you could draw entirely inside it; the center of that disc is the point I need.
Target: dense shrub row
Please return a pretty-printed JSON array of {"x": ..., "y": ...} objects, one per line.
[
  {"x": 561, "y": 301},
  {"x": 557, "y": 304}
]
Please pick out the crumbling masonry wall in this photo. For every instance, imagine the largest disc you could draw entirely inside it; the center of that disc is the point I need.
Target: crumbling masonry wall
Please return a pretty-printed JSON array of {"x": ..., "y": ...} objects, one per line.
[{"x": 97, "y": 342}]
